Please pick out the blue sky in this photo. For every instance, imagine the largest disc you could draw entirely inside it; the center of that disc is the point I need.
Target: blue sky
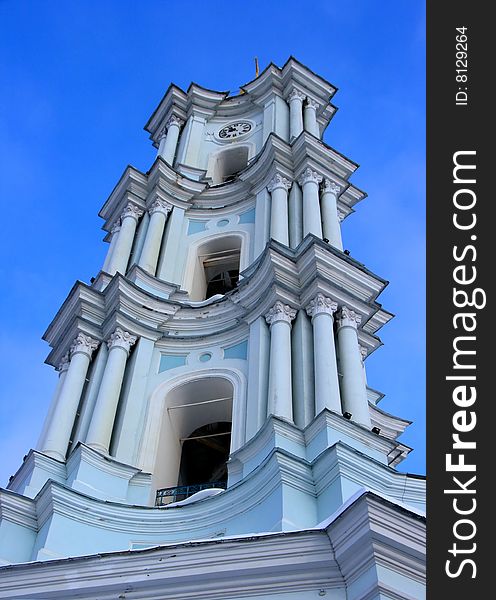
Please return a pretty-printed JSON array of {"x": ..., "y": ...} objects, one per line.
[{"x": 81, "y": 78}]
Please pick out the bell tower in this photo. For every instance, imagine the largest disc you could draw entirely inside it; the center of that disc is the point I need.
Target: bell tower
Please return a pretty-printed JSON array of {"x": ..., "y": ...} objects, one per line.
[{"x": 212, "y": 380}]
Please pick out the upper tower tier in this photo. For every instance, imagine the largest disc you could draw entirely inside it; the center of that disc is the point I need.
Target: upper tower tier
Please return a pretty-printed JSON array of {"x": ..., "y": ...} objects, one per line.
[
  {"x": 281, "y": 101},
  {"x": 231, "y": 173}
]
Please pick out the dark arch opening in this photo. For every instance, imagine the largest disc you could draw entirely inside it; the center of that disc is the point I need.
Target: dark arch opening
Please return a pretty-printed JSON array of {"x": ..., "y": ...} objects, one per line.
[{"x": 204, "y": 455}]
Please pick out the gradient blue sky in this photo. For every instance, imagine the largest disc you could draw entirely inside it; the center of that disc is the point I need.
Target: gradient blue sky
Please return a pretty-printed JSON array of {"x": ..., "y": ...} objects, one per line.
[{"x": 81, "y": 78}]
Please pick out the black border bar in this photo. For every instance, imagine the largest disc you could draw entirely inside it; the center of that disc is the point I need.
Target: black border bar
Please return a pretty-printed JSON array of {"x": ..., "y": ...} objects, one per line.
[{"x": 461, "y": 259}]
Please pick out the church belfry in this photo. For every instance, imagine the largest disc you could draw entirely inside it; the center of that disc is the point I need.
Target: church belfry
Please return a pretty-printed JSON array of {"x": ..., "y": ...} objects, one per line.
[{"x": 212, "y": 386}]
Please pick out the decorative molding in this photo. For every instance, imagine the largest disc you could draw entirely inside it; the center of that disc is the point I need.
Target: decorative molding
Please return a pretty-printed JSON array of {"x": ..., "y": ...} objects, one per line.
[
  {"x": 121, "y": 339},
  {"x": 83, "y": 344},
  {"x": 116, "y": 228},
  {"x": 309, "y": 176},
  {"x": 312, "y": 104},
  {"x": 160, "y": 206},
  {"x": 174, "y": 120},
  {"x": 331, "y": 187},
  {"x": 363, "y": 352},
  {"x": 296, "y": 95},
  {"x": 348, "y": 318},
  {"x": 341, "y": 215},
  {"x": 162, "y": 134},
  {"x": 64, "y": 363},
  {"x": 132, "y": 211},
  {"x": 280, "y": 312},
  {"x": 279, "y": 182},
  {"x": 321, "y": 305}
]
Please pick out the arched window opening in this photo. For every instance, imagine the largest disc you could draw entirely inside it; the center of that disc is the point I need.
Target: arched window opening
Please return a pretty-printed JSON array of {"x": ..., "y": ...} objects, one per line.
[
  {"x": 221, "y": 271},
  {"x": 217, "y": 267},
  {"x": 228, "y": 163},
  {"x": 195, "y": 439}
]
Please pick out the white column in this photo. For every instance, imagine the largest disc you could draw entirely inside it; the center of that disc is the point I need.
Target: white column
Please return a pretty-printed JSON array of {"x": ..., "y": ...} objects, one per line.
[
  {"x": 59, "y": 430},
  {"x": 168, "y": 145},
  {"x": 310, "y": 117},
  {"x": 330, "y": 220},
  {"x": 327, "y": 394},
  {"x": 258, "y": 376},
  {"x": 153, "y": 240},
  {"x": 114, "y": 232},
  {"x": 279, "y": 224},
  {"x": 102, "y": 421},
  {"x": 309, "y": 181},
  {"x": 295, "y": 100},
  {"x": 62, "y": 370},
  {"x": 352, "y": 383},
  {"x": 122, "y": 250},
  {"x": 280, "y": 399},
  {"x": 295, "y": 210},
  {"x": 161, "y": 141}
]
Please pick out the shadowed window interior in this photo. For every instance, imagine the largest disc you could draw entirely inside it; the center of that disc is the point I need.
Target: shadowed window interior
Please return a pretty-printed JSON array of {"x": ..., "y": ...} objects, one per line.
[
  {"x": 204, "y": 455},
  {"x": 217, "y": 267},
  {"x": 228, "y": 164}
]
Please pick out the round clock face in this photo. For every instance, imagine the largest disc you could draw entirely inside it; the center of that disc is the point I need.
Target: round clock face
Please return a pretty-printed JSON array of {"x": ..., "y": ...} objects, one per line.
[{"x": 234, "y": 130}]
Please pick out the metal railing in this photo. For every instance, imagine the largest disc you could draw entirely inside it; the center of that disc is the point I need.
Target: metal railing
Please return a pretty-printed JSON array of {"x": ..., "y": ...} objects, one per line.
[{"x": 182, "y": 492}]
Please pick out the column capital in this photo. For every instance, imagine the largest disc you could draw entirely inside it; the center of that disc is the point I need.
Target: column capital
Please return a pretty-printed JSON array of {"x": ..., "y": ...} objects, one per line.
[
  {"x": 174, "y": 120},
  {"x": 363, "y": 352},
  {"x": 280, "y": 312},
  {"x": 309, "y": 176},
  {"x": 116, "y": 227},
  {"x": 321, "y": 305},
  {"x": 132, "y": 211},
  {"x": 348, "y": 318},
  {"x": 163, "y": 133},
  {"x": 83, "y": 344},
  {"x": 331, "y": 187},
  {"x": 121, "y": 339},
  {"x": 312, "y": 103},
  {"x": 278, "y": 181},
  {"x": 64, "y": 363},
  {"x": 160, "y": 206},
  {"x": 296, "y": 95}
]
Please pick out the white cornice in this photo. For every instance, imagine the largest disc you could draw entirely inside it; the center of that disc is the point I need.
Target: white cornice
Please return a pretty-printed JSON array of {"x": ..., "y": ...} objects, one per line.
[
  {"x": 370, "y": 530},
  {"x": 291, "y": 276},
  {"x": 18, "y": 509},
  {"x": 212, "y": 570},
  {"x": 132, "y": 186},
  {"x": 366, "y": 472},
  {"x": 349, "y": 428},
  {"x": 391, "y": 426},
  {"x": 33, "y": 460},
  {"x": 375, "y": 530}
]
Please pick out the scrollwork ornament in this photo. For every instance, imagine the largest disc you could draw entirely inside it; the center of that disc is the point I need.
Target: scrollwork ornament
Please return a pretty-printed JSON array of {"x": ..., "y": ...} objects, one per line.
[
  {"x": 83, "y": 344},
  {"x": 309, "y": 176},
  {"x": 277, "y": 182},
  {"x": 296, "y": 95},
  {"x": 330, "y": 187},
  {"x": 160, "y": 206},
  {"x": 121, "y": 339},
  {"x": 321, "y": 305},
  {"x": 348, "y": 318},
  {"x": 132, "y": 211},
  {"x": 280, "y": 312}
]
